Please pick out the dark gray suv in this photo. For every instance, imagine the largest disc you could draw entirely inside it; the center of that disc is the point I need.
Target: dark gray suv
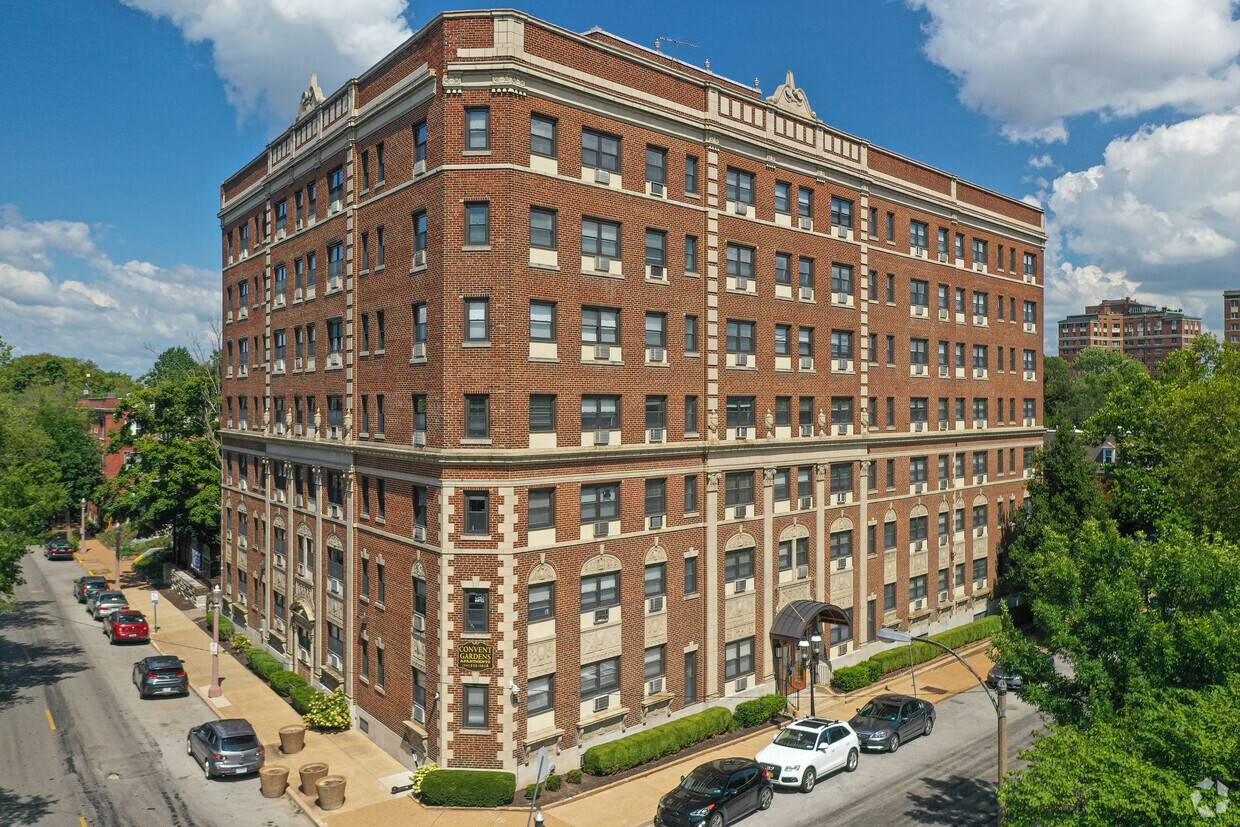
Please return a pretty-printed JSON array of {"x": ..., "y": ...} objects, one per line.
[
  {"x": 160, "y": 675},
  {"x": 227, "y": 747}
]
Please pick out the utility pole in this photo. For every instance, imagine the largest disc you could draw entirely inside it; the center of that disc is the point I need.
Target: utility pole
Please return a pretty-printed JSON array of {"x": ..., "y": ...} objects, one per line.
[
  {"x": 82, "y": 536},
  {"x": 118, "y": 555},
  {"x": 1003, "y": 741},
  {"x": 214, "y": 691}
]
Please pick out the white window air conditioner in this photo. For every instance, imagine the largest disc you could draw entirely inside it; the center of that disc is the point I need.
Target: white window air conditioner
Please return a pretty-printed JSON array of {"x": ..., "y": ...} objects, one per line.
[
  {"x": 419, "y": 350},
  {"x": 601, "y": 616},
  {"x": 656, "y": 605},
  {"x": 919, "y": 604},
  {"x": 602, "y": 528},
  {"x": 742, "y": 511},
  {"x": 419, "y": 623},
  {"x": 419, "y": 167},
  {"x": 742, "y": 208},
  {"x": 657, "y": 354},
  {"x": 802, "y": 572},
  {"x": 943, "y": 257},
  {"x": 807, "y": 223},
  {"x": 419, "y": 533},
  {"x": 742, "y": 684},
  {"x": 656, "y": 271},
  {"x": 841, "y": 498},
  {"x": 656, "y": 434},
  {"x": 602, "y": 264},
  {"x": 419, "y": 439},
  {"x": 841, "y": 564},
  {"x": 807, "y": 430},
  {"x": 942, "y": 597},
  {"x": 742, "y": 359},
  {"x": 807, "y": 502},
  {"x": 654, "y": 687},
  {"x": 742, "y": 432},
  {"x": 807, "y": 293},
  {"x": 333, "y": 660},
  {"x": 419, "y": 714},
  {"x": 657, "y": 189},
  {"x": 602, "y": 437},
  {"x": 741, "y": 586},
  {"x": 807, "y": 363},
  {"x": 602, "y": 176},
  {"x": 602, "y": 702},
  {"x": 656, "y": 521},
  {"x": 419, "y": 258},
  {"x": 742, "y": 283},
  {"x": 602, "y": 352}
]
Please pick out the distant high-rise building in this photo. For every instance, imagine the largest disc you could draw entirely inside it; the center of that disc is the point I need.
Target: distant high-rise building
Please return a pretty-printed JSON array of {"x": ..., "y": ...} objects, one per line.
[
  {"x": 1142, "y": 331},
  {"x": 1231, "y": 316}
]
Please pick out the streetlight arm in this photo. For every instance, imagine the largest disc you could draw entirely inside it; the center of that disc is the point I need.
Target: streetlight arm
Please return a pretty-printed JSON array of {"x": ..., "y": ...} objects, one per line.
[{"x": 985, "y": 688}]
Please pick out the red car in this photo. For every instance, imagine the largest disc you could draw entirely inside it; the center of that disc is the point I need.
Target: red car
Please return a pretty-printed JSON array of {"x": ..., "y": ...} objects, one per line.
[{"x": 126, "y": 624}]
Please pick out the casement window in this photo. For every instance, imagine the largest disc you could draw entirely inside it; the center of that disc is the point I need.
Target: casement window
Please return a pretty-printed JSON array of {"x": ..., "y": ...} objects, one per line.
[
  {"x": 477, "y": 128},
  {"x": 600, "y": 150},
  {"x": 740, "y": 186}
]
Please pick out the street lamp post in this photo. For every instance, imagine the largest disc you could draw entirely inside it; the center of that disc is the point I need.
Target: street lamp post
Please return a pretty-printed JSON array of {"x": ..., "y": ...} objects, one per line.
[
  {"x": 811, "y": 651},
  {"x": 118, "y": 555},
  {"x": 999, "y": 703},
  {"x": 82, "y": 536},
  {"x": 214, "y": 691}
]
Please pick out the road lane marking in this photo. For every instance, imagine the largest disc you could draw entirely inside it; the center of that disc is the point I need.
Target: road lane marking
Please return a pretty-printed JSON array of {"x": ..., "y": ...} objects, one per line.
[
  {"x": 82, "y": 820},
  {"x": 50, "y": 722}
]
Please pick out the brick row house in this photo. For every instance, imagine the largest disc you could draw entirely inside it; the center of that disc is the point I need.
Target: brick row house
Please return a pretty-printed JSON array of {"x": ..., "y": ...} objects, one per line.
[{"x": 558, "y": 365}]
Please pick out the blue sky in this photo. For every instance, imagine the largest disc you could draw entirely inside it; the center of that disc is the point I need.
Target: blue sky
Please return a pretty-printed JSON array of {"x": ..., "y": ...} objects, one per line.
[{"x": 121, "y": 119}]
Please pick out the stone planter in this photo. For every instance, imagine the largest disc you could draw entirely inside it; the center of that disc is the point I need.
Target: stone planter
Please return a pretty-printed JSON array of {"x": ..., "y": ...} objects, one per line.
[
  {"x": 310, "y": 774},
  {"x": 331, "y": 792},
  {"x": 292, "y": 739},
  {"x": 274, "y": 781}
]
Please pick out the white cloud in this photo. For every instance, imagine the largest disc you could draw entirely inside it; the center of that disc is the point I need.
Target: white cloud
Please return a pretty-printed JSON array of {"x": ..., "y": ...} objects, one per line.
[
  {"x": 266, "y": 50},
  {"x": 1032, "y": 64},
  {"x": 1041, "y": 161},
  {"x": 99, "y": 310}
]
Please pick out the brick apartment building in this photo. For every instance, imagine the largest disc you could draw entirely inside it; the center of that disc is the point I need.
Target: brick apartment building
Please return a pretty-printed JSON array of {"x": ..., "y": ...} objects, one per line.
[
  {"x": 555, "y": 363},
  {"x": 1231, "y": 316},
  {"x": 104, "y": 425},
  {"x": 1142, "y": 331}
]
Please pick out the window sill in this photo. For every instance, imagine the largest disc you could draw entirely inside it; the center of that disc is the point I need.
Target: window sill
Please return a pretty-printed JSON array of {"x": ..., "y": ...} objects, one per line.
[
  {"x": 554, "y": 267},
  {"x": 364, "y": 272},
  {"x": 379, "y": 690},
  {"x": 693, "y": 596},
  {"x": 486, "y": 343},
  {"x": 475, "y": 153},
  {"x": 380, "y": 520},
  {"x": 602, "y": 275},
  {"x": 379, "y": 606},
  {"x": 476, "y": 248},
  {"x": 692, "y": 274},
  {"x": 476, "y": 538},
  {"x": 475, "y": 636},
  {"x": 476, "y": 441},
  {"x": 363, "y": 598},
  {"x": 364, "y": 679}
]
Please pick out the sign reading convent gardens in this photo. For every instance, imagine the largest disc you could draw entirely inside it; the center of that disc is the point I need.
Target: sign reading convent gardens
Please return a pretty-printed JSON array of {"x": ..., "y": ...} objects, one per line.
[{"x": 475, "y": 656}]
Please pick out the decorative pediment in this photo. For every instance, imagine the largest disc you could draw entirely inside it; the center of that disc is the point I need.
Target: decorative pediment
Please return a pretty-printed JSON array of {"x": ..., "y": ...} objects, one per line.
[
  {"x": 740, "y": 540},
  {"x": 656, "y": 554},
  {"x": 542, "y": 573},
  {"x": 790, "y": 99},
  {"x": 313, "y": 96},
  {"x": 600, "y": 563}
]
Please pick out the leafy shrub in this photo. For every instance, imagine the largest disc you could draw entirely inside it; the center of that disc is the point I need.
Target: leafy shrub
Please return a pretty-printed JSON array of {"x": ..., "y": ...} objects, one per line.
[
  {"x": 468, "y": 788},
  {"x": 226, "y": 626},
  {"x": 263, "y": 663},
  {"x": 849, "y": 678},
  {"x": 283, "y": 682},
  {"x": 573, "y": 777},
  {"x": 419, "y": 775},
  {"x": 302, "y": 696},
  {"x": 652, "y": 744},
  {"x": 758, "y": 711},
  {"x": 554, "y": 782},
  {"x": 329, "y": 711},
  {"x": 240, "y": 641}
]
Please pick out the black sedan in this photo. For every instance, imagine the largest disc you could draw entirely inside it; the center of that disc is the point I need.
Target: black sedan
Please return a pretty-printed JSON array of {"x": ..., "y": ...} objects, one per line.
[
  {"x": 58, "y": 550},
  {"x": 889, "y": 720},
  {"x": 160, "y": 675},
  {"x": 715, "y": 794}
]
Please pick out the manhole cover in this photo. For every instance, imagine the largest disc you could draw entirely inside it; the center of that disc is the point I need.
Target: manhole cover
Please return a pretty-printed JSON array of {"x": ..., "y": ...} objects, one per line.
[{"x": 113, "y": 776}]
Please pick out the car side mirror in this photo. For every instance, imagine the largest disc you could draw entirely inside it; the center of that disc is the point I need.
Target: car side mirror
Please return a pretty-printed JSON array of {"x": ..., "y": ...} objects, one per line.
[
  {"x": 776, "y": 735},
  {"x": 824, "y": 748},
  {"x": 682, "y": 778}
]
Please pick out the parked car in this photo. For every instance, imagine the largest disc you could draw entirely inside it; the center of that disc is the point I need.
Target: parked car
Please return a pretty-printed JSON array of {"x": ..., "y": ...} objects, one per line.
[
  {"x": 160, "y": 675},
  {"x": 809, "y": 749},
  {"x": 126, "y": 624},
  {"x": 1015, "y": 680},
  {"x": 58, "y": 550},
  {"x": 88, "y": 584},
  {"x": 889, "y": 720},
  {"x": 227, "y": 747},
  {"x": 105, "y": 603},
  {"x": 716, "y": 793}
]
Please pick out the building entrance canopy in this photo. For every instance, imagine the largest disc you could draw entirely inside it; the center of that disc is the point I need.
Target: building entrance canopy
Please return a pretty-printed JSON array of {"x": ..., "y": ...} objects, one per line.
[{"x": 799, "y": 616}]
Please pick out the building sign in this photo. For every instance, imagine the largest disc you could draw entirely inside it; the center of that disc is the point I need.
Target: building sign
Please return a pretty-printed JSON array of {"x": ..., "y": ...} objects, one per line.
[{"x": 475, "y": 656}]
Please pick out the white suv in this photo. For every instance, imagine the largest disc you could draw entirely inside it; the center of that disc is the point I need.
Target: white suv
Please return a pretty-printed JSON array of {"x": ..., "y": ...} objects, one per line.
[{"x": 807, "y": 749}]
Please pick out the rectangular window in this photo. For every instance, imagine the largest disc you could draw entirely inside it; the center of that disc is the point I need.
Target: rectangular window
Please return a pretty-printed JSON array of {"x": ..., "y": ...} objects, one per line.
[
  {"x": 600, "y": 238},
  {"x": 477, "y": 128},
  {"x": 477, "y": 512},
  {"x": 419, "y": 232},
  {"x": 891, "y": 288},
  {"x": 476, "y": 712},
  {"x": 891, "y": 226},
  {"x": 542, "y": 508},
  {"x": 738, "y": 565},
  {"x": 477, "y": 416},
  {"x": 542, "y": 601},
  {"x": 783, "y": 411},
  {"x": 740, "y": 186},
  {"x": 740, "y": 261},
  {"x": 806, "y": 272},
  {"x": 599, "y": 591},
  {"x": 542, "y": 413},
  {"x": 691, "y": 414},
  {"x": 740, "y": 411},
  {"x": 841, "y": 213},
  {"x": 841, "y": 344},
  {"x": 919, "y": 293},
  {"x": 543, "y": 231},
  {"x": 477, "y": 223},
  {"x": 543, "y": 136},
  {"x": 979, "y": 252},
  {"x": 691, "y": 334},
  {"x": 380, "y": 163},
  {"x": 601, "y": 678},
  {"x": 600, "y": 150},
  {"x": 691, "y": 565},
  {"x": 477, "y": 611},
  {"x": 842, "y": 279},
  {"x": 841, "y": 478},
  {"x": 783, "y": 197},
  {"x": 655, "y": 580},
  {"x": 738, "y": 488},
  {"x": 656, "y": 247},
  {"x": 600, "y": 326},
  {"x": 783, "y": 268},
  {"x": 419, "y": 322},
  {"x": 656, "y": 165},
  {"x": 600, "y": 503},
  {"x": 419, "y": 143},
  {"x": 782, "y": 485},
  {"x": 335, "y": 189},
  {"x": 600, "y": 413},
  {"x": 691, "y": 174},
  {"x": 477, "y": 320},
  {"x": 691, "y": 254},
  {"x": 541, "y": 695},
  {"x": 1031, "y": 265},
  {"x": 738, "y": 659},
  {"x": 655, "y": 662},
  {"x": 740, "y": 337},
  {"x": 542, "y": 321},
  {"x": 805, "y": 202},
  {"x": 656, "y": 412}
]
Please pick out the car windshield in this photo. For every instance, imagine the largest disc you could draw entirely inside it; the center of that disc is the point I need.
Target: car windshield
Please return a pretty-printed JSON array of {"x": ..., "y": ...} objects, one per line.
[
  {"x": 704, "y": 782},
  {"x": 166, "y": 670},
  {"x": 238, "y": 743},
  {"x": 881, "y": 711},
  {"x": 796, "y": 739}
]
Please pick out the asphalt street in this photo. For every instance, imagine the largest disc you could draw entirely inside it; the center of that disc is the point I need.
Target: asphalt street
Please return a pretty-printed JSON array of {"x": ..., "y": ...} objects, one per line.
[
  {"x": 947, "y": 778},
  {"x": 79, "y": 747}
]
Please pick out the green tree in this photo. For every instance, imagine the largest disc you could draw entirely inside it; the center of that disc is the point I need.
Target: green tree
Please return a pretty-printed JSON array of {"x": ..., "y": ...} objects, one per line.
[
  {"x": 30, "y": 490},
  {"x": 1075, "y": 392},
  {"x": 46, "y": 369},
  {"x": 74, "y": 451},
  {"x": 173, "y": 364}
]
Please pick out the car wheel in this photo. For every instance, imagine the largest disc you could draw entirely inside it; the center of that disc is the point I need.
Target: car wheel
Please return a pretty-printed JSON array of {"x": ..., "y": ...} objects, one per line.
[
  {"x": 929, "y": 726},
  {"x": 853, "y": 759},
  {"x": 206, "y": 769},
  {"x": 189, "y": 750},
  {"x": 807, "y": 780},
  {"x": 716, "y": 820},
  {"x": 895, "y": 742},
  {"x": 765, "y": 798}
]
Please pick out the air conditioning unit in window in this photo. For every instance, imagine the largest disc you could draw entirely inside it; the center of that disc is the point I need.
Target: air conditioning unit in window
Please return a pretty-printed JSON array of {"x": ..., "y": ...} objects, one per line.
[
  {"x": 920, "y": 545},
  {"x": 657, "y": 189},
  {"x": 602, "y": 528},
  {"x": 742, "y": 432},
  {"x": 841, "y": 498},
  {"x": 742, "y": 511},
  {"x": 333, "y": 660},
  {"x": 807, "y": 430},
  {"x": 602, "y": 437},
  {"x": 602, "y": 176},
  {"x": 602, "y": 702},
  {"x": 979, "y": 267},
  {"x": 742, "y": 208},
  {"x": 656, "y": 434},
  {"x": 943, "y": 257},
  {"x": 802, "y": 572},
  {"x": 419, "y": 439},
  {"x": 419, "y": 534},
  {"x": 419, "y": 258},
  {"x": 419, "y": 623},
  {"x": 601, "y": 616},
  {"x": 807, "y": 223},
  {"x": 419, "y": 167},
  {"x": 602, "y": 264},
  {"x": 919, "y": 370},
  {"x": 602, "y": 352},
  {"x": 741, "y": 586},
  {"x": 807, "y": 363},
  {"x": 919, "y": 426},
  {"x": 807, "y": 293},
  {"x": 742, "y": 359},
  {"x": 807, "y": 502},
  {"x": 656, "y": 521},
  {"x": 419, "y": 714},
  {"x": 656, "y": 271},
  {"x": 334, "y": 511},
  {"x": 656, "y": 605},
  {"x": 742, "y": 684},
  {"x": 657, "y": 354},
  {"x": 920, "y": 252},
  {"x": 919, "y": 488},
  {"x": 654, "y": 687},
  {"x": 841, "y": 564},
  {"x": 919, "y": 604},
  {"x": 419, "y": 350},
  {"x": 843, "y": 428}
]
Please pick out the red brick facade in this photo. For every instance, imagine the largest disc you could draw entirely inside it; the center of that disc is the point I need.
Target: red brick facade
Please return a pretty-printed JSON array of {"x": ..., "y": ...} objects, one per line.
[
  {"x": 357, "y": 492},
  {"x": 1141, "y": 331}
]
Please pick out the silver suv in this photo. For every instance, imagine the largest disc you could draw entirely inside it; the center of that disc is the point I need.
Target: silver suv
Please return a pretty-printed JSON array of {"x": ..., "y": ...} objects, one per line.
[
  {"x": 808, "y": 749},
  {"x": 227, "y": 747}
]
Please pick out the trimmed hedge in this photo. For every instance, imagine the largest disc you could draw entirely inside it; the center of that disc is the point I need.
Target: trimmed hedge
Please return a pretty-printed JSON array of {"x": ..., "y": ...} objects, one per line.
[
  {"x": 468, "y": 788},
  {"x": 301, "y": 697},
  {"x": 554, "y": 782},
  {"x": 226, "y": 626},
  {"x": 264, "y": 664},
  {"x": 652, "y": 744},
  {"x": 850, "y": 678},
  {"x": 573, "y": 777},
  {"x": 758, "y": 711},
  {"x": 283, "y": 682}
]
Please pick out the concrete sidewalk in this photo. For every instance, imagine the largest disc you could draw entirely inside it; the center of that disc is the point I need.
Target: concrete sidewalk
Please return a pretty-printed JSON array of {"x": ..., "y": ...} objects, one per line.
[{"x": 371, "y": 772}]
